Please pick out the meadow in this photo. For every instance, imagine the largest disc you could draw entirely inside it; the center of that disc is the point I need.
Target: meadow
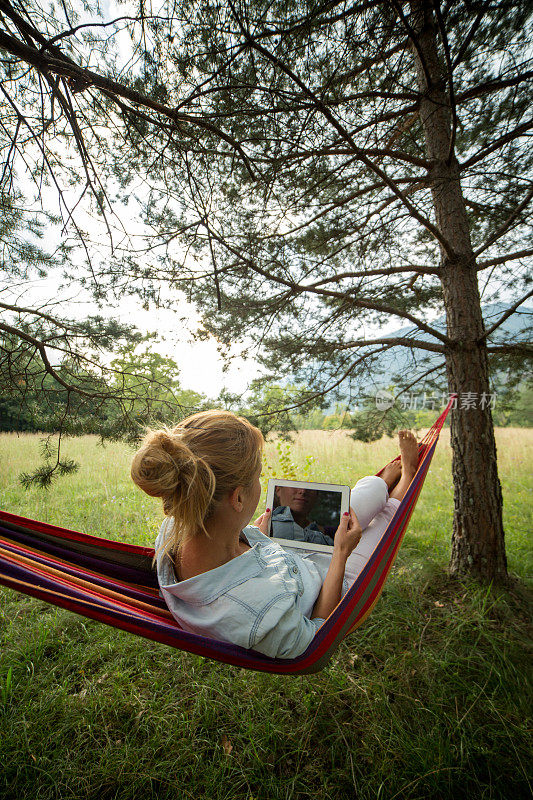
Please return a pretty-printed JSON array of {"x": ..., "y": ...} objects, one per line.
[{"x": 430, "y": 698}]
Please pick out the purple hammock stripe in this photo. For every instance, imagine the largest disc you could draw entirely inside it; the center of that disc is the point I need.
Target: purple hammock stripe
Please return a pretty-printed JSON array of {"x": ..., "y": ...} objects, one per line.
[
  {"x": 22, "y": 572},
  {"x": 122, "y": 588},
  {"x": 103, "y": 567},
  {"x": 175, "y": 635}
]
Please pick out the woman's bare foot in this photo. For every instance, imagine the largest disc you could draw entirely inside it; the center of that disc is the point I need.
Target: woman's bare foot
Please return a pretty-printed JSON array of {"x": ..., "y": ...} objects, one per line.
[
  {"x": 391, "y": 474},
  {"x": 408, "y": 452},
  {"x": 409, "y": 460}
]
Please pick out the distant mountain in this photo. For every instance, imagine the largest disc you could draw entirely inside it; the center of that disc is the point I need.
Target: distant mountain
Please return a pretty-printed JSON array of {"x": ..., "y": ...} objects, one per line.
[
  {"x": 519, "y": 321},
  {"x": 398, "y": 360}
]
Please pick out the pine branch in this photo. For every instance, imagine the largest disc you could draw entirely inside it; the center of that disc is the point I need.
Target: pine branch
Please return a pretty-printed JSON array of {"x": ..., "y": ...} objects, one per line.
[
  {"x": 68, "y": 69},
  {"x": 360, "y": 154},
  {"x": 494, "y": 85},
  {"x": 345, "y": 297},
  {"x": 498, "y": 144},
  {"x": 405, "y": 341},
  {"x": 506, "y": 225}
]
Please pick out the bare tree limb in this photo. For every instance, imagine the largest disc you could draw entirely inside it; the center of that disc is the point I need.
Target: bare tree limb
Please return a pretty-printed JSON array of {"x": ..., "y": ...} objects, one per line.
[
  {"x": 494, "y": 262},
  {"x": 36, "y": 312},
  {"x": 498, "y": 143},
  {"x": 492, "y": 86},
  {"x": 399, "y": 340},
  {"x": 325, "y": 391},
  {"x": 470, "y": 35},
  {"x": 504, "y": 227},
  {"x": 505, "y": 316},
  {"x": 517, "y": 347},
  {"x": 363, "y": 273}
]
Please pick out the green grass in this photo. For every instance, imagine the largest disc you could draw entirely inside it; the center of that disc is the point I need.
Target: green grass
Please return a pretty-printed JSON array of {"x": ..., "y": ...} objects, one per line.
[{"x": 428, "y": 699}]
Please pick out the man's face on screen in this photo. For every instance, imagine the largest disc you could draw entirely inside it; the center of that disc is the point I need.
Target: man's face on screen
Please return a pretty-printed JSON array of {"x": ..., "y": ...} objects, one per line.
[{"x": 300, "y": 501}]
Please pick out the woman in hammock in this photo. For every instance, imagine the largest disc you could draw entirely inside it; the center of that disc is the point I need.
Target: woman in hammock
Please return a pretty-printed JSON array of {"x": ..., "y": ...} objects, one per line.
[{"x": 226, "y": 579}]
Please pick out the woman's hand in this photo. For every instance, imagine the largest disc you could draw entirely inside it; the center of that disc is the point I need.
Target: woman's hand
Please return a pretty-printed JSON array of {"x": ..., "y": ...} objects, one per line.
[
  {"x": 347, "y": 537},
  {"x": 263, "y": 521},
  {"x": 348, "y": 534}
]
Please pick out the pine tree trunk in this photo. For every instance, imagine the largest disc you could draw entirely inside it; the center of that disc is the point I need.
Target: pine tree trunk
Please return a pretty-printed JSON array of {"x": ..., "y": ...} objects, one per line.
[{"x": 478, "y": 546}]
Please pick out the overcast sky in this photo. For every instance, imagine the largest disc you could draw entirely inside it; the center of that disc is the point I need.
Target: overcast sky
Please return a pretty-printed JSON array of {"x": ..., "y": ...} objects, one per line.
[{"x": 201, "y": 366}]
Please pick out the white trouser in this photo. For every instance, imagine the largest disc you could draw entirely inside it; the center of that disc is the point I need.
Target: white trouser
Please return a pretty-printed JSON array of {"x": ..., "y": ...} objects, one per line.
[
  {"x": 371, "y": 537},
  {"x": 374, "y": 510},
  {"x": 367, "y": 498}
]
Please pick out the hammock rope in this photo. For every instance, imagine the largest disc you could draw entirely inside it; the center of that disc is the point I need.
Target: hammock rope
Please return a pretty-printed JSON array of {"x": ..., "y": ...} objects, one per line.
[{"x": 114, "y": 582}]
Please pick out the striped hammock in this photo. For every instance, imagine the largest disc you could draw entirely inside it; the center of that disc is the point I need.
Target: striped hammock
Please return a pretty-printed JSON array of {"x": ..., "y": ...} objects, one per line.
[{"x": 116, "y": 584}]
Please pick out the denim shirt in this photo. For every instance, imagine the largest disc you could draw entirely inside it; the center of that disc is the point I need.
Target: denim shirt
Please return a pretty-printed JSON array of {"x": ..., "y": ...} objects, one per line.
[
  {"x": 285, "y": 527},
  {"x": 261, "y": 599}
]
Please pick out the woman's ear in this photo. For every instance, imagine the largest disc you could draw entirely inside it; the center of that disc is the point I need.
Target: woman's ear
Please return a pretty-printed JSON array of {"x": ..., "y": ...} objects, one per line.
[{"x": 236, "y": 499}]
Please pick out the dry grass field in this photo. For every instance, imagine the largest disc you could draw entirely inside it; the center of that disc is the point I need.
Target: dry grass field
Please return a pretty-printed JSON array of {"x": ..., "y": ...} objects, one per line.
[{"x": 101, "y": 499}]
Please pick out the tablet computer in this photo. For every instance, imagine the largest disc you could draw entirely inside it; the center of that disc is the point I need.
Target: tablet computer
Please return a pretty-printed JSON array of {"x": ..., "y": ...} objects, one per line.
[{"x": 305, "y": 514}]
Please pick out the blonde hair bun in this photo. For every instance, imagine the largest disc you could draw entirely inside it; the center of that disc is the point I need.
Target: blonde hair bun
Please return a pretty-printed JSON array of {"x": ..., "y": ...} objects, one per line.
[
  {"x": 193, "y": 466},
  {"x": 163, "y": 464}
]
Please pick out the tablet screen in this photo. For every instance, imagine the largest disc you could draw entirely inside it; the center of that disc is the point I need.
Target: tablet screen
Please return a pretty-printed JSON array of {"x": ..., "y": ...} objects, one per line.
[{"x": 306, "y": 512}]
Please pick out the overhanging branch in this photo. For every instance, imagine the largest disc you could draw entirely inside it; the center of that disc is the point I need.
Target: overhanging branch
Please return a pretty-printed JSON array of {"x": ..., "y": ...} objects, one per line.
[
  {"x": 359, "y": 152},
  {"x": 66, "y": 68},
  {"x": 404, "y": 341},
  {"x": 346, "y": 297}
]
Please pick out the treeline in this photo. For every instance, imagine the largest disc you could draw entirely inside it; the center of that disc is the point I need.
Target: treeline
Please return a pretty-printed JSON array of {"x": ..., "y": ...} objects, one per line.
[
  {"x": 508, "y": 411},
  {"x": 128, "y": 386},
  {"x": 115, "y": 400},
  {"x": 151, "y": 394}
]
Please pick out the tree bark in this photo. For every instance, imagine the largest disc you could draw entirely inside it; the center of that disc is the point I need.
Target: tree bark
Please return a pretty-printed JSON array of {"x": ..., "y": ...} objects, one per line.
[{"x": 478, "y": 545}]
